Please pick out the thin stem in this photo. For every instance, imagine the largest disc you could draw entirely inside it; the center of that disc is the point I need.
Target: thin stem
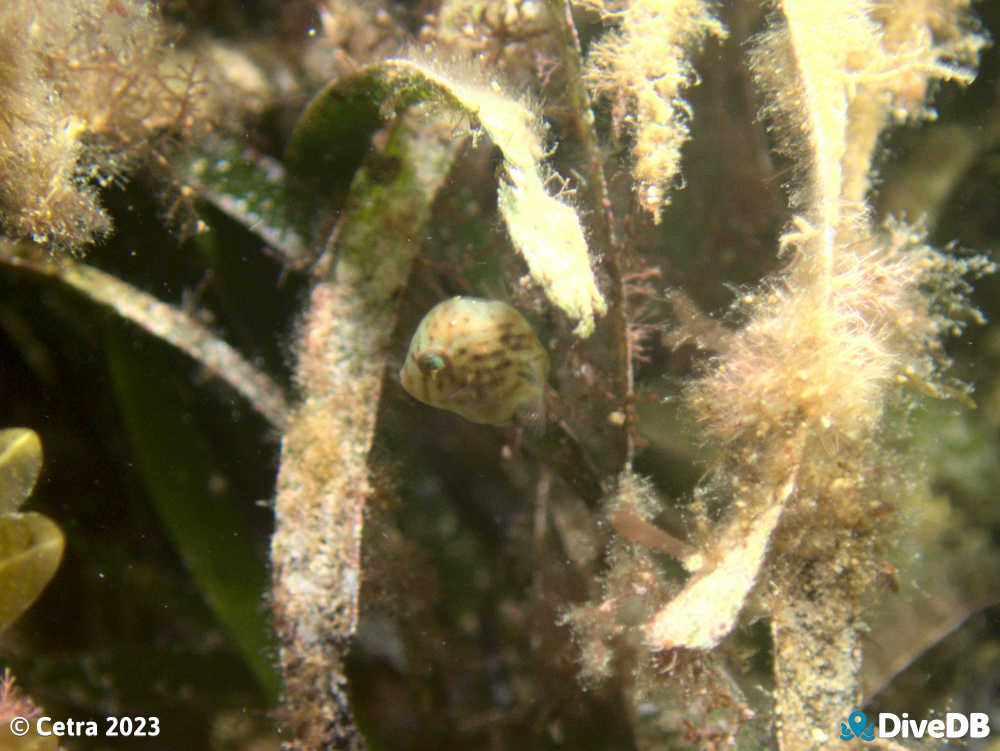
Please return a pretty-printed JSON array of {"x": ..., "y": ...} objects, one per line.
[
  {"x": 602, "y": 218},
  {"x": 633, "y": 527},
  {"x": 173, "y": 326}
]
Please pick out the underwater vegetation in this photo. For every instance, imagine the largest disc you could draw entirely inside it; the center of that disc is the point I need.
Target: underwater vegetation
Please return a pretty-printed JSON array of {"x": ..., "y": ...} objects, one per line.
[
  {"x": 31, "y": 545},
  {"x": 595, "y": 374}
]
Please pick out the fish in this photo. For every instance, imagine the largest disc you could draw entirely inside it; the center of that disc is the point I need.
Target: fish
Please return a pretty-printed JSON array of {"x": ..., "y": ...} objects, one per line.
[{"x": 479, "y": 359}]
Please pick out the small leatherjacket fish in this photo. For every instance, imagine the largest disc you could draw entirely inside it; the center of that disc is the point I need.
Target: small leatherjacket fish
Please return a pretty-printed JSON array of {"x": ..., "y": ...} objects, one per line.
[{"x": 479, "y": 359}]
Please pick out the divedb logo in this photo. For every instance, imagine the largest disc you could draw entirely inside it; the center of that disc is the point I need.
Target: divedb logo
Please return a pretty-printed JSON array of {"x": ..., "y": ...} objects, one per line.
[{"x": 953, "y": 725}]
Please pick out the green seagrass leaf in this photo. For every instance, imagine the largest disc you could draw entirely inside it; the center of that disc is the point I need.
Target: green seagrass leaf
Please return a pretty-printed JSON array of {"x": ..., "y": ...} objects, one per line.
[
  {"x": 333, "y": 136},
  {"x": 206, "y": 528},
  {"x": 251, "y": 188}
]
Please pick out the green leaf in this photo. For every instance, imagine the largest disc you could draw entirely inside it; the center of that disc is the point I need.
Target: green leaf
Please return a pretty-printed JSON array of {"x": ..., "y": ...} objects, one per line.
[
  {"x": 202, "y": 523},
  {"x": 334, "y": 132},
  {"x": 332, "y": 136},
  {"x": 251, "y": 188}
]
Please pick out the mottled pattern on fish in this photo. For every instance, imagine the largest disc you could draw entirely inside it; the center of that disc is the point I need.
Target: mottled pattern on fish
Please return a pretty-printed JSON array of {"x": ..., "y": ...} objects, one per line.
[{"x": 478, "y": 358}]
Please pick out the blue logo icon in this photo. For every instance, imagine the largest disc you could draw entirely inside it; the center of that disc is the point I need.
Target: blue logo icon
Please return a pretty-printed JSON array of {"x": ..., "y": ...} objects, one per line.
[{"x": 859, "y": 727}]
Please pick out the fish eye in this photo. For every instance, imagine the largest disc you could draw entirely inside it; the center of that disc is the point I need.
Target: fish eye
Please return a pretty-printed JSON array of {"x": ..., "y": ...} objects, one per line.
[{"x": 431, "y": 362}]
